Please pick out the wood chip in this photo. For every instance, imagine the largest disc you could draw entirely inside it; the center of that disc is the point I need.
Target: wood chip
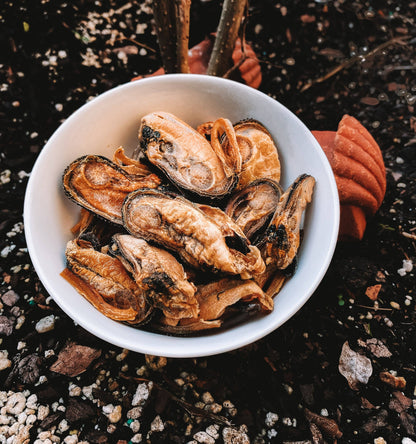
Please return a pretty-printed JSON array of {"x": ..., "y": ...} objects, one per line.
[
  {"x": 74, "y": 359},
  {"x": 373, "y": 291}
]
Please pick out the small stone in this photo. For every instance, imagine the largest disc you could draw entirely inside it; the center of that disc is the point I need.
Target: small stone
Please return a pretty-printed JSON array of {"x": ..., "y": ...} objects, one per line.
[
  {"x": 31, "y": 402},
  {"x": 207, "y": 398},
  {"x": 142, "y": 393},
  {"x": 4, "y": 361},
  {"x": 135, "y": 413},
  {"x": 45, "y": 324},
  {"x": 271, "y": 419},
  {"x": 74, "y": 390},
  {"x": 71, "y": 439},
  {"x": 43, "y": 412},
  {"x": 115, "y": 415},
  {"x": 63, "y": 426},
  {"x": 157, "y": 425},
  {"x": 10, "y": 298},
  {"x": 380, "y": 440},
  {"x": 6, "y": 326},
  {"x": 135, "y": 426},
  {"x": 408, "y": 441},
  {"x": 136, "y": 438},
  {"x": 203, "y": 437},
  {"x": 212, "y": 430},
  {"x": 233, "y": 436},
  {"x": 16, "y": 403}
]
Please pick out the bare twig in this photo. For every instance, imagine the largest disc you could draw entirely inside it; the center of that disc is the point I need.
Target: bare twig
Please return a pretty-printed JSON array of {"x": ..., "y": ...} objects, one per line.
[
  {"x": 164, "y": 15},
  {"x": 183, "y": 8},
  {"x": 355, "y": 59},
  {"x": 190, "y": 409},
  {"x": 231, "y": 16},
  {"x": 242, "y": 35}
]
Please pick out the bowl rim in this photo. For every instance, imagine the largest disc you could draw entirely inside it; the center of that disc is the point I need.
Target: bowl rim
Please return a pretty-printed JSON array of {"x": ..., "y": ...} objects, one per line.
[{"x": 194, "y": 343}]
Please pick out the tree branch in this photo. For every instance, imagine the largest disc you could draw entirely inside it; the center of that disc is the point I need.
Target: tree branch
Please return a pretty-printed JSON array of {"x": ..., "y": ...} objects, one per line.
[
  {"x": 164, "y": 15},
  {"x": 183, "y": 8},
  {"x": 231, "y": 16}
]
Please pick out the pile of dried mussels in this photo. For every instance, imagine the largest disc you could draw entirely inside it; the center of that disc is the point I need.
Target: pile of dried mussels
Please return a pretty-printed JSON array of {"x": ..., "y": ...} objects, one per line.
[{"x": 157, "y": 256}]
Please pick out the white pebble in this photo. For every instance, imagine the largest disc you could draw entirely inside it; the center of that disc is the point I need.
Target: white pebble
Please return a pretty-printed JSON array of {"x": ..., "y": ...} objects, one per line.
[
  {"x": 44, "y": 435},
  {"x": 134, "y": 413},
  {"x": 63, "y": 426},
  {"x": 31, "y": 419},
  {"x": 59, "y": 107},
  {"x": 135, "y": 426},
  {"x": 20, "y": 321},
  {"x": 271, "y": 419},
  {"x": 107, "y": 409},
  {"x": 5, "y": 419},
  {"x": 136, "y": 438},
  {"x": 45, "y": 324},
  {"x": 31, "y": 402},
  {"x": 212, "y": 430},
  {"x": 142, "y": 393},
  {"x": 16, "y": 403},
  {"x": 408, "y": 441},
  {"x": 272, "y": 433},
  {"x": 203, "y": 437},
  {"x": 207, "y": 398},
  {"x": 21, "y": 419},
  {"x": 157, "y": 425},
  {"x": 4, "y": 361},
  {"x": 74, "y": 390},
  {"x": 43, "y": 412}
]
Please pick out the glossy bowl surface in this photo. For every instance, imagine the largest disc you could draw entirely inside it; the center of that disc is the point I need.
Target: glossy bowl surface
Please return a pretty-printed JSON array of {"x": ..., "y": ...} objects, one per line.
[{"x": 112, "y": 120}]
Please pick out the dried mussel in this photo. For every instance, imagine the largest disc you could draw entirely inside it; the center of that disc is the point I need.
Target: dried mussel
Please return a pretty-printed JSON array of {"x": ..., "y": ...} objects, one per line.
[
  {"x": 259, "y": 153},
  {"x": 198, "y": 238},
  {"x": 216, "y": 300},
  {"x": 176, "y": 265},
  {"x": 100, "y": 185},
  {"x": 252, "y": 207},
  {"x": 160, "y": 276},
  {"x": 105, "y": 283},
  {"x": 187, "y": 158},
  {"x": 282, "y": 238}
]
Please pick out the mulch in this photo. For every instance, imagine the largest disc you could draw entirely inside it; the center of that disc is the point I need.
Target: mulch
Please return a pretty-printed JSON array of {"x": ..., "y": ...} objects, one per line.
[{"x": 287, "y": 387}]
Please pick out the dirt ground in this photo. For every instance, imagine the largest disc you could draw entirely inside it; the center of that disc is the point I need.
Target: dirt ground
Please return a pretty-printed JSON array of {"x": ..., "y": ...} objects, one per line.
[{"x": 286, "y": 387}]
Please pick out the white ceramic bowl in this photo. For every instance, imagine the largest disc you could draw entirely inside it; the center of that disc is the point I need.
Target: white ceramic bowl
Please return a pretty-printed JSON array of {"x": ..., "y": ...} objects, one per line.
[{"x": 111, "y": 120}]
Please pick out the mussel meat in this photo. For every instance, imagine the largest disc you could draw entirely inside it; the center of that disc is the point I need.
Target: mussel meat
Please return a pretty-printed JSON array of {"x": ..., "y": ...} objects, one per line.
[
  {"x": 100, "y": 185},
  {"x": 197, "y": 237},
  {"x": 252, "y": 207},
  {"x": 105, "y": 283},
  {"x": 259, "y": 153},
  {"x": 158, "y": 274},
  {"x": 187, "y": 158},
  {"x": 282, "y": 239}
]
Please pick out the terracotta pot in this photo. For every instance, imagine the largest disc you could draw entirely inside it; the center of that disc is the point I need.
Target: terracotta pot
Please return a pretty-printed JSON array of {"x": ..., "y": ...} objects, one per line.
[{"x": 359, "y": 170}]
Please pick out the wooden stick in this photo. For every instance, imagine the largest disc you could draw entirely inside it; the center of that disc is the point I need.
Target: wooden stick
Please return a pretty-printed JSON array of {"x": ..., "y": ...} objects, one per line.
[
  {"x": 165, "y": 20},
  {"x": 183, "y": 8},
  {"x": 231, "y": 16}
]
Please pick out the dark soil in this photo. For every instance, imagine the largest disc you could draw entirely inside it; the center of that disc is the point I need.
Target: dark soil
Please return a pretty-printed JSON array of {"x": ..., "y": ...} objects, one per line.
[{"x": 60, "y": 54}]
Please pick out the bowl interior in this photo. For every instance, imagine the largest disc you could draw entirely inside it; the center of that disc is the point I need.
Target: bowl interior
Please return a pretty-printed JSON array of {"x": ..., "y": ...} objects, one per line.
[{"x": 112, "y": 120}]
